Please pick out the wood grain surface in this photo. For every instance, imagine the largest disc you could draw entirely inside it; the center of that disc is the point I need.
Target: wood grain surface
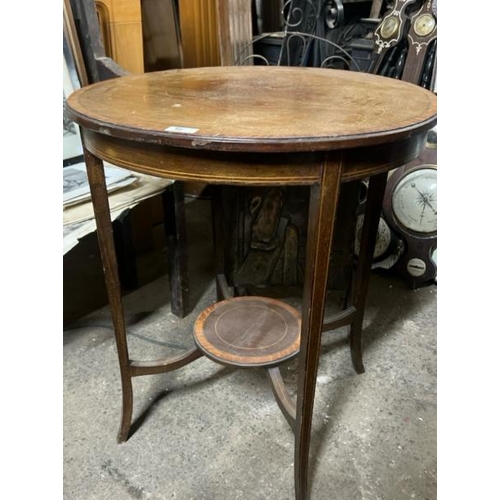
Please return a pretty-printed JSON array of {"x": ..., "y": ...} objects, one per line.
[
  {"x": 248, "y": 331},
  {"x": 255, "y": 108}
]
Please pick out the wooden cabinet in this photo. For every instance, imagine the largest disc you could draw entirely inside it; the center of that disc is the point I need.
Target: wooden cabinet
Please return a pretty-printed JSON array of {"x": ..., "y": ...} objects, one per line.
[{"x": 121, "y": 29}]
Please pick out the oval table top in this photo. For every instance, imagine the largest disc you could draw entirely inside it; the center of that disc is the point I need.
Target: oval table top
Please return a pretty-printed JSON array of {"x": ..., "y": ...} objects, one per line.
[{"x": 255, "y": 108}]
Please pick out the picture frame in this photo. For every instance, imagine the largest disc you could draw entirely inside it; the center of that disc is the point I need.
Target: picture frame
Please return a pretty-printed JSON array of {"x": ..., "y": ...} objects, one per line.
[
  {"x": 74, "y": 77},
  {"x": 72, "y": 142}
]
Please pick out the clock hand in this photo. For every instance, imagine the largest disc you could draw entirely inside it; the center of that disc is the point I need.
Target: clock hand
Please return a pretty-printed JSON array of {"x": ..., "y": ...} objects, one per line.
[
  {"x": 432, "y": 208},
  {"x": 422, "y": 214},
  {"x": 426, "y": 201},
  {"x": 424, "y": 198},
  {"x": 413, "y": 185}
]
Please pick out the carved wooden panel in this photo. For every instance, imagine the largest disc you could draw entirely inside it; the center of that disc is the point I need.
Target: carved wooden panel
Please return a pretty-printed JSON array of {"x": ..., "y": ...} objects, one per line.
[{"x": 267, "y": 230}]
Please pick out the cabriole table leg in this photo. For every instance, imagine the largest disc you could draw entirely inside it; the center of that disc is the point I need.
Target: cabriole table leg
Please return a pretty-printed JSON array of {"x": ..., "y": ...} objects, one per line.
[
  {"x": 375, "y": 197},
  {"x": 322, "y": 207},
  {"x": 98, "y": 191}
]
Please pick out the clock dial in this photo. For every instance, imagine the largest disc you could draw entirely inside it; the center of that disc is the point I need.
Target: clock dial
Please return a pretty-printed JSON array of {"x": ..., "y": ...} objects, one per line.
[
  {"x": 383, "y": 237},
  {"x": 389, "y": 27},
  {"x": 424, "y": 25},
  {"x": 414, "y": 201}
]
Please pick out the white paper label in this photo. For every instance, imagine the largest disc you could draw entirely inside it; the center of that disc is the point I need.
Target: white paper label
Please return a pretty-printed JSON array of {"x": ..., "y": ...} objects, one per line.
[{"x": 181, "y": 130}]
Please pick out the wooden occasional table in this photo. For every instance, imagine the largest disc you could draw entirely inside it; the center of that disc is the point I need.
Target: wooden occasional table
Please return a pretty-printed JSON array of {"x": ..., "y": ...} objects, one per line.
[{"x": 260, "y": 126}]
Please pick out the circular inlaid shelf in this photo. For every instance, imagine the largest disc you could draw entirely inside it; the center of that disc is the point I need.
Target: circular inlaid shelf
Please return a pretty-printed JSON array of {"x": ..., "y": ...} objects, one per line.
[{"x": 248, "y": 331}]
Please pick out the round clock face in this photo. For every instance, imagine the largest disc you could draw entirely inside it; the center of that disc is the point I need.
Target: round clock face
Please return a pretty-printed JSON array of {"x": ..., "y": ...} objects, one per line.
[
  {"x": 414, "y": 201},
  {"x": 383, "y": 237},
  {"x": 424, "y": 24},
  {"x": 389, "y": 27}
]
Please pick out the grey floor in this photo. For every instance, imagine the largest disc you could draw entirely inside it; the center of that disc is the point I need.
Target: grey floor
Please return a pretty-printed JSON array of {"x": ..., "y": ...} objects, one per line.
[{"x": 207, "y": 432}]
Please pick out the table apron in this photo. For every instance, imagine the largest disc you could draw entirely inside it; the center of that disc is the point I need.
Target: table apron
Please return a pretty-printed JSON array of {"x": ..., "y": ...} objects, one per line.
[
  {"x": 266, "y": 169},
  {"x": 362, "y": 163}
]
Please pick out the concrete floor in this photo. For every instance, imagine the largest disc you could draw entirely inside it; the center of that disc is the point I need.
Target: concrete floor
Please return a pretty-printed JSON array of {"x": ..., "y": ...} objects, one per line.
[{"x": 209, "y": 432}]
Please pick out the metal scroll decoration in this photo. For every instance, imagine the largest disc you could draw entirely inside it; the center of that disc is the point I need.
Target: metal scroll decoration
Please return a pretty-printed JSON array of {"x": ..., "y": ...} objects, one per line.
[
  {"x": 294, "y": 47},
  {"x": 303, "y": 40}
]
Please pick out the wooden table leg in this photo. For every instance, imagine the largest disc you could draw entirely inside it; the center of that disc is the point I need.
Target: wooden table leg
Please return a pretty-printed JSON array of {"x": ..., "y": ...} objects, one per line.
[
  {"x": 125, "y": 252},
  {"x": 174, "y": 220},
  {"x": 220, "y": 234},
  {"x": 98, "y": 191},
  {"x": 322, "y": 207},
  {"x": 373, "y": 209}
]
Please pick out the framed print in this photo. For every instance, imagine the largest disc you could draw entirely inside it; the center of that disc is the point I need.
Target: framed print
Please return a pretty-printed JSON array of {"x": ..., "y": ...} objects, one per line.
[
  {"x": 73, "y": 78},
  {"x": 72, "y": 143}
]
